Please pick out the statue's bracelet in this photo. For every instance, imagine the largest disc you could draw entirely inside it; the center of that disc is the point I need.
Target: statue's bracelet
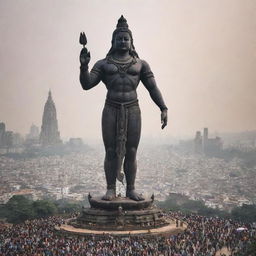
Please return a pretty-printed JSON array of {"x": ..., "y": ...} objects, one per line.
[
  {"x": 164, "y": 108},
  {"x": 84, "y": 67}
]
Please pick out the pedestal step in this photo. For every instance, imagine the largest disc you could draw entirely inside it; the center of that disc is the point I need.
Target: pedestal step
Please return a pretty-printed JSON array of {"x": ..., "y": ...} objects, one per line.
[{"x": 120, "y": 214}]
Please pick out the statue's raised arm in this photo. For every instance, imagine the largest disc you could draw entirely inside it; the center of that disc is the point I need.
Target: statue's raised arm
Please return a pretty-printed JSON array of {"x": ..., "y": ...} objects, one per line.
[{"x": 87, "y": 80}]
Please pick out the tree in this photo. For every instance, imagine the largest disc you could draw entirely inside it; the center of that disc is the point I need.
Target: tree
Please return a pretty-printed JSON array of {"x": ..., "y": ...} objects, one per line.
[
  {"x": 177, "y": 202},
  {"x": 44, "y": 208},
  {"x": 19, "y": 208},
  {"x": 245, "y": 213}
]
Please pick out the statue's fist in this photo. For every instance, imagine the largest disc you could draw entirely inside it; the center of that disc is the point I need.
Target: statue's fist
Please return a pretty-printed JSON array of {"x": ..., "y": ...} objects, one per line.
[{"x": 85, "y": 56}]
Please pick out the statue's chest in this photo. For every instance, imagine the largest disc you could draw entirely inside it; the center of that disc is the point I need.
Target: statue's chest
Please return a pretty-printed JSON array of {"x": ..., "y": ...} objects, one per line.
[{"x": 122, "y": 69}]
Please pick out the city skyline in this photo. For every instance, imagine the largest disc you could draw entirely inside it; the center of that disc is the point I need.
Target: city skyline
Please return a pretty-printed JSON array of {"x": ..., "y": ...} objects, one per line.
[{"x": 202, "y": 54}]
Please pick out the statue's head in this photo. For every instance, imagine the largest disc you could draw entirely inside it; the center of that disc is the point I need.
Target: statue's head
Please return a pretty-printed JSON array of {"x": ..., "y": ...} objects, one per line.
[{"x": 121, "y": 32}]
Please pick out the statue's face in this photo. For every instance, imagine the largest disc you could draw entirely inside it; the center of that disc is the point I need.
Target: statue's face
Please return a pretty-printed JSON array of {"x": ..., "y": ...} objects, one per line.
[{"x": 122, "y": 41}]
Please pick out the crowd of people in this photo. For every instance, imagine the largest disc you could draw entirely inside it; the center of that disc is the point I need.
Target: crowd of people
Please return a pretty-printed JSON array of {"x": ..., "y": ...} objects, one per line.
[{"x": 203, "y": 236}]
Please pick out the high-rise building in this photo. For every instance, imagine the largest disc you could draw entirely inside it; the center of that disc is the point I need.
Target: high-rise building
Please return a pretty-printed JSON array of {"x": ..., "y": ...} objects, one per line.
[
  {"x": 205, "y": 139},
  {"x": 34, "y": 132},
  {"x": 49, "y": 130},
  {"x": 211, "y": 146},
  {"x": 198, "y": 143},
  {"x": 32, "y": 138},
  {"x": 2, "y": 134},
  {"x": 9, "y": 139},
  {"x": 206, "y": 145}
]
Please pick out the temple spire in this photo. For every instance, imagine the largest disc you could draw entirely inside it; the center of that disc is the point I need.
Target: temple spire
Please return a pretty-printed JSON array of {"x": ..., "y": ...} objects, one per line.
[
  {"x": 49, "y": 130},
  {"x": 50, "y": 95}
]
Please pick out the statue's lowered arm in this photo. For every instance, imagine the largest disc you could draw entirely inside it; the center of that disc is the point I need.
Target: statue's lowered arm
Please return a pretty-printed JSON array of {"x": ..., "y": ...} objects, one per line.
[{"x": 149, "y": 82}]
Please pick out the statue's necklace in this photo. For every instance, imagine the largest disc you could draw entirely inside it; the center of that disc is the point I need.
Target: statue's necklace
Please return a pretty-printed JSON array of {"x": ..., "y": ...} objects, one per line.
[{"x": 122, "y": 66}]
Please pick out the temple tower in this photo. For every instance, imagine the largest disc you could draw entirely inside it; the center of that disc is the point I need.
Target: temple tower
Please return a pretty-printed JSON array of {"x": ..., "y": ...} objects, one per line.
[{"x": 49, "y": 130}]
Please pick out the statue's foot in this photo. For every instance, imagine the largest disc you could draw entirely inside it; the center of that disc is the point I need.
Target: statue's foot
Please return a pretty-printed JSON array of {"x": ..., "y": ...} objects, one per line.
[
  {"x": 110, "y": 195},
  {"x": 132, "y": 194}
]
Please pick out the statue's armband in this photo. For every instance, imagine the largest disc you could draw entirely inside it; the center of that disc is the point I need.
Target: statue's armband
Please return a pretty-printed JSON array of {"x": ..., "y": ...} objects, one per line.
[
  {"x": 147, "y": 75},
  {"x": 146, "y": 72},
  {"x": 96, "y": 71}
]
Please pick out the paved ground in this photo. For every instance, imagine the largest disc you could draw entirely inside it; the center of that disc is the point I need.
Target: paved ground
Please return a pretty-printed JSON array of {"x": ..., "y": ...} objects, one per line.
[
  {"x": 171, "y": 228},
  {"x": 224, "y": 250}
]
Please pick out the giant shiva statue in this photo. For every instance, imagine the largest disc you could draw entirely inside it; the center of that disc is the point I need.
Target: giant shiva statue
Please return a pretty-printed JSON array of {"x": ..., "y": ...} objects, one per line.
[{"x": 121, "y": 71}]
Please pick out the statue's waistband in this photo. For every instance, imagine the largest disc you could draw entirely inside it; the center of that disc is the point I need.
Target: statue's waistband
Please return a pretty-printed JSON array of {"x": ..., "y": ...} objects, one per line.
[{"x": 117, "y": 104}]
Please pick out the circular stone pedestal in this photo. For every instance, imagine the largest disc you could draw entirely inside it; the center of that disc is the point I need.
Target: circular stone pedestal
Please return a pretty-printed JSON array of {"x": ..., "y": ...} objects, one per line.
[
  {"x": 120, "y": 214},
  {"x": 124, "y": 202}
]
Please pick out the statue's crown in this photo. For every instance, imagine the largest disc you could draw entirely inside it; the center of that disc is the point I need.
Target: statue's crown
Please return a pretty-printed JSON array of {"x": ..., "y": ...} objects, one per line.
[{"x": 122, "y": 23}]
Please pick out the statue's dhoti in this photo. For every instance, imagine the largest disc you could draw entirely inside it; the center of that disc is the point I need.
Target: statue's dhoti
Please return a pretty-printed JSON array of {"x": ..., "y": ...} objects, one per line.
[{"x": 121, "y": 126}]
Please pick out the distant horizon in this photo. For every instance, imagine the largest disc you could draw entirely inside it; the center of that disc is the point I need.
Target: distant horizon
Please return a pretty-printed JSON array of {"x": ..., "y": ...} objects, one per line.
[
  {"x": 154, "y": 139},
  {"x": 146, "y": 137}
]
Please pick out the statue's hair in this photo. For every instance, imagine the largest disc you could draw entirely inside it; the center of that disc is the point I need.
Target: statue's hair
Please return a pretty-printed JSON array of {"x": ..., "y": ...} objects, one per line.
[{"x": 132, "y": 51}]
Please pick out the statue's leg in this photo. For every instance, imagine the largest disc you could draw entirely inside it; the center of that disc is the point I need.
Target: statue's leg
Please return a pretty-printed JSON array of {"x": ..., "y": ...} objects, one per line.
[
  {"x": 110, "y": 163},
  {"x": 130, "y": 163}
]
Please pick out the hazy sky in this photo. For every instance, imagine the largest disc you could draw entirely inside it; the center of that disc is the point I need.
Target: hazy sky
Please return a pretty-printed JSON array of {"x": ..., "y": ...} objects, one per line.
[{"x": 203, "y": 55}]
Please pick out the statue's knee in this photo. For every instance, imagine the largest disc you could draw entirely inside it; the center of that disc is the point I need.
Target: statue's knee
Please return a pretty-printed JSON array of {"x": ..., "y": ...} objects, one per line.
[
  {"x": 131, "y": 153},
  {"x": 110, "y": 153}
]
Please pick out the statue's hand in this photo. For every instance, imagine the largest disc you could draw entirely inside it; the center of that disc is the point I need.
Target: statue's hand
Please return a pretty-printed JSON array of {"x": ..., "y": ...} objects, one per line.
[
  {"x": 164, "y": 118},
  {"x": 85, "y": 56}
]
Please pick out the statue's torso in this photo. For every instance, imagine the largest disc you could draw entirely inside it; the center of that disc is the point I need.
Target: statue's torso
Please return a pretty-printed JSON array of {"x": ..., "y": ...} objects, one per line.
[{"x": 121, "y": 79}]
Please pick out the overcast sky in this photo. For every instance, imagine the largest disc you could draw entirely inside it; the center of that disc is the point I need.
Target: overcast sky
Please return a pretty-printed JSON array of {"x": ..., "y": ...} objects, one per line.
[{"x": 203, "y": 55}]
